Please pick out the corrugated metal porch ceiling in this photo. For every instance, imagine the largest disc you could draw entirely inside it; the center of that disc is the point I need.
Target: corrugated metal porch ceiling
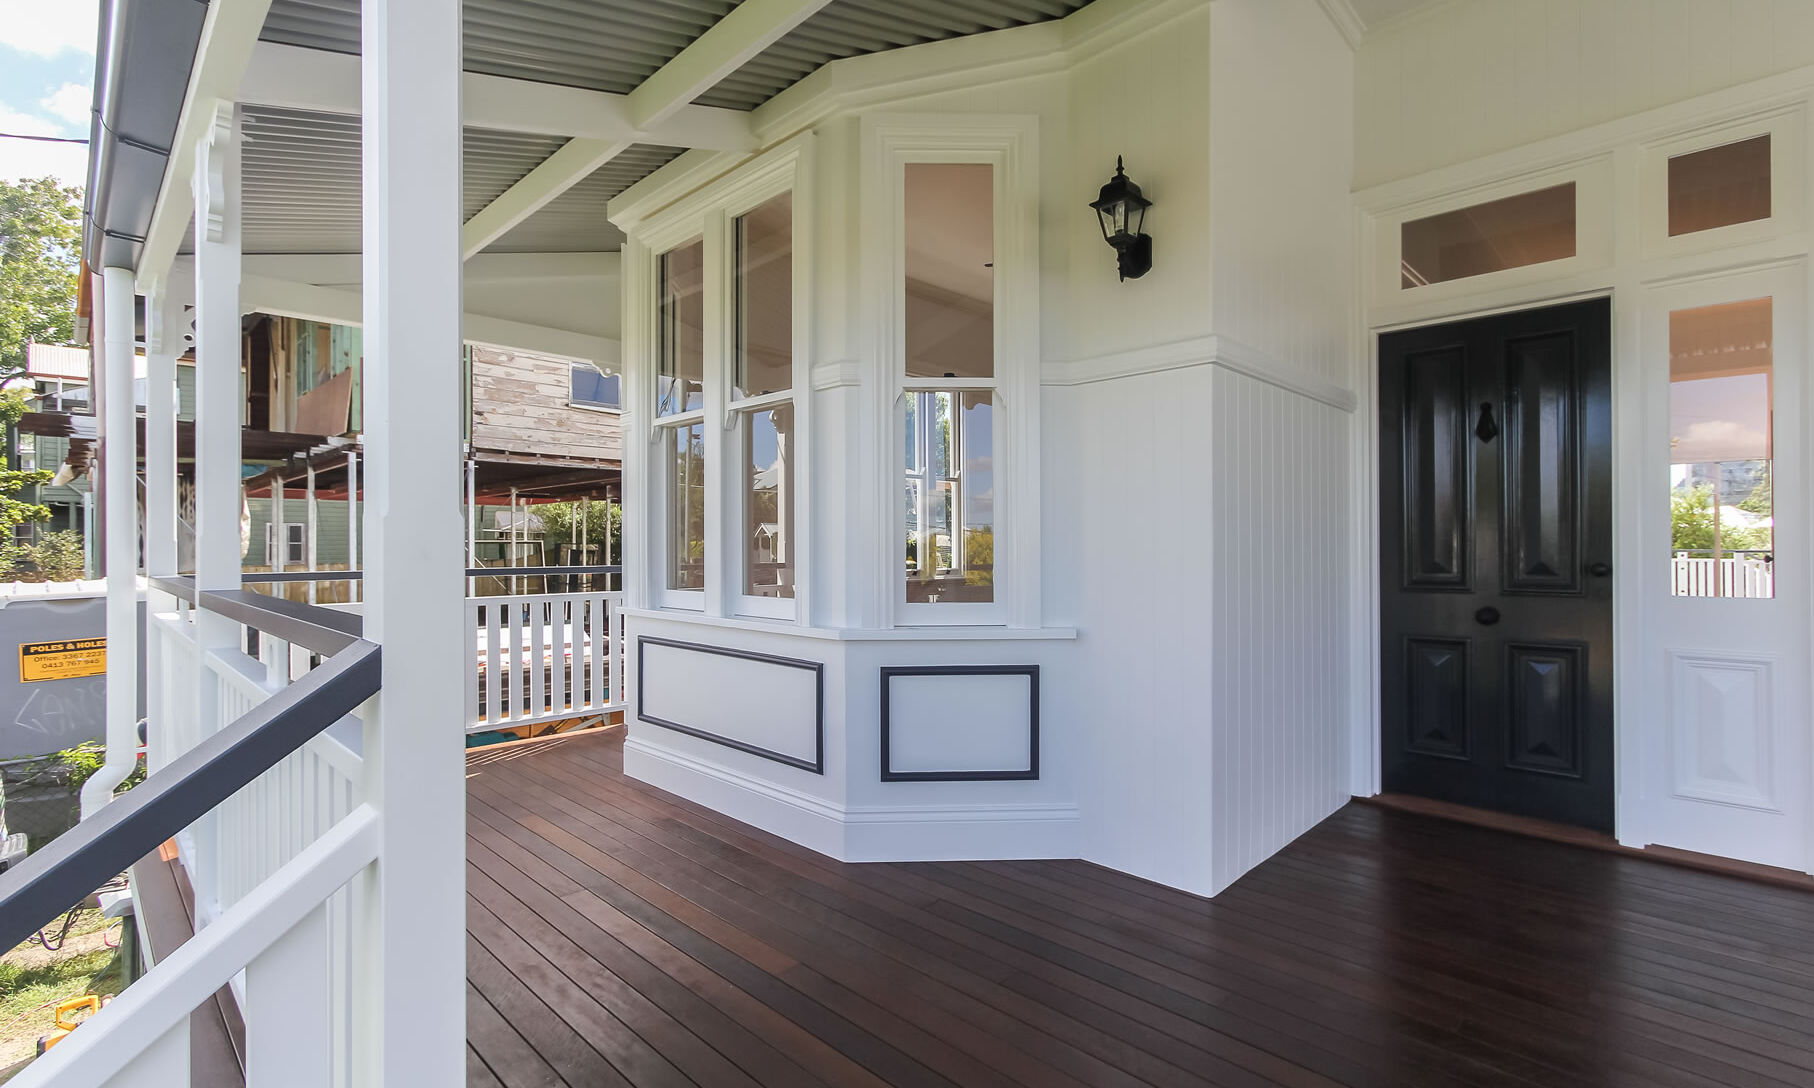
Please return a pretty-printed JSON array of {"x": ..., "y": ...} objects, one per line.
[{"x": 302, "y": 169}]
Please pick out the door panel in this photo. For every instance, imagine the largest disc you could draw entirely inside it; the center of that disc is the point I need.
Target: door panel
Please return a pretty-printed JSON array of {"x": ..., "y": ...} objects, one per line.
[
  {"x": 1436, "y": 492},
  {"x": 1496, "y": 600},
  {"x": 1436, "y": 694},
  {"x": 1542, "y": 435}
]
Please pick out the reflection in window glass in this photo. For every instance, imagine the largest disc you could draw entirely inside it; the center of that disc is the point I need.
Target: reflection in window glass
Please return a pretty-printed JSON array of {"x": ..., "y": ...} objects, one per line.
[
  {"x": 950, "y": 496},
  {"x": 1721, "y": 510},
  {"x": 1529, "y": 228},
  {"x": 680, "y": 376},
  {"x": 768, "y": 502},
  {"x": 686, "y": 507},
  {"x": 591, "y": 387},
  {"x": 765, "y": 299},
  {"x": 949, "y": 231},
  {"x": 1720, "y": 186}
]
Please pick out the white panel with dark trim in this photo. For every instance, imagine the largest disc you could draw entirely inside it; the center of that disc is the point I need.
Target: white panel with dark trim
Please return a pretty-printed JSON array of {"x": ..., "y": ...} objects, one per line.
[
  {"x": 767, "y": 706},
  {"x": 960, "y": 723}
]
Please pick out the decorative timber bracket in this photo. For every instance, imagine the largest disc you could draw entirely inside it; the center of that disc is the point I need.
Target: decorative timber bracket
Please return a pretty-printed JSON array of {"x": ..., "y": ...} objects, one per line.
[{"x": 211, "y": 173}]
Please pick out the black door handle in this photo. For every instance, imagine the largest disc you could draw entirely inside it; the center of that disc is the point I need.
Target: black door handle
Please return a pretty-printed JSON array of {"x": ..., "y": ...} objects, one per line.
[
  {"x": 1599, "y": 570},
  {"x": 1487, "y": 616}
]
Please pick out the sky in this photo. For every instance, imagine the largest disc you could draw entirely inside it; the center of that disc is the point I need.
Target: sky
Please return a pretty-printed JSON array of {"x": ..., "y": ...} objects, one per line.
[{"x": 46, "y": 68}]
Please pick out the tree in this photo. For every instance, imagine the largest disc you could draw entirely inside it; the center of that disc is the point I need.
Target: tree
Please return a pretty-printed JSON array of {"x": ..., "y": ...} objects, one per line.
[
  {"x": 560, "y": 518},
  {"x": 40, "y": 258},
  {"x": 1692, "y": 530},
  {"x": 15, "y": 512}
]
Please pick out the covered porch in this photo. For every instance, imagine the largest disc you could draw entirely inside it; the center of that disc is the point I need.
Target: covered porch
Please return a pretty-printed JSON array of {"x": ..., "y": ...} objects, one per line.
[{"x": 617, "y": 934}]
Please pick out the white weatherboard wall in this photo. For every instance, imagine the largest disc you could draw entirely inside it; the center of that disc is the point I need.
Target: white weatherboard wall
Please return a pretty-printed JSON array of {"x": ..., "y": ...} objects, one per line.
[
  {"x": 1466, "y": 78},
  {"x": 1193, "y": 429}
]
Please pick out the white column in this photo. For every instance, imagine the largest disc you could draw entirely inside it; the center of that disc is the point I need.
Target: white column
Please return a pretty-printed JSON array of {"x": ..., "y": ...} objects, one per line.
[
  {"x": 355, "y": 591},
  {"x": 412, "y": 1029},
  {"x": 217, "y": 422},
  {"x": 163, "y": 343},
  {"x": 313, "y": 526},
  {"x": 217, "y": 337},
  {"x": 119, "y": 465}
]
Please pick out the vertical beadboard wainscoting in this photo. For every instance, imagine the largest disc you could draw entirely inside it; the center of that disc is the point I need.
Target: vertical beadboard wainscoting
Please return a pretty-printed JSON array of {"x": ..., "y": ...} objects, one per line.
[{"x": 914, "y": 744}]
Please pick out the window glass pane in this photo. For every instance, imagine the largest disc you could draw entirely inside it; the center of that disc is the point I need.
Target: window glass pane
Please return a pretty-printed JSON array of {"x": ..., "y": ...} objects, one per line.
[
  {"x": 768, "y": 502},
  {"x": 1722, "y": 515},
  {"x": 949, "y": 490},
  {"x": 765, "y": 299},
  {"x": 686, "y": 507},
  {"x": 1719, "y": 186},
  {"x": 950, "y": 261},
  {"x": 1529, "y": 228},
  {"x": 593, "y": 388},
  {"x": 680, "y": 379}
]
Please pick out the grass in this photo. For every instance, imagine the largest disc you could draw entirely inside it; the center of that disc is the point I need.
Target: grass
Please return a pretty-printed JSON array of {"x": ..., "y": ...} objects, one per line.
[{"x": 33, "y": 980}]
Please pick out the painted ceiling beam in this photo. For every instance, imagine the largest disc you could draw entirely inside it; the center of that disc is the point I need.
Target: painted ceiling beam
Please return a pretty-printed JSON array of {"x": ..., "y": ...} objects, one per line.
[
  {"x": 555, "y": 175},
  {"x": 662, "y": 99},
  {"x": 229, "y": 37},
  {"x": 298, "y": 78},
  {"x": 286, "y": 298},
  {"x": 732, "y": 41}
]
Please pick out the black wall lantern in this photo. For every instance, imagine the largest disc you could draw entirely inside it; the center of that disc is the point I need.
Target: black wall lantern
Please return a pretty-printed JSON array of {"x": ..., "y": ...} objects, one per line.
[{"x": 1122, "y": 211}]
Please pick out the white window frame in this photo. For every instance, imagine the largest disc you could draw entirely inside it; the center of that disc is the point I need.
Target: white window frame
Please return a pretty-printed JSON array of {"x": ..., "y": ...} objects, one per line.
[
  {"x": 762, "y": 185},
  {"x": 709, "y": 215},
  {"x": 1594, "y": 240},
  {"x": 1008, "y": 144},
  {"x": 1784, "y": 126},
  {"x": 663, "y": 429},
  {"x": 295, "y": 554},
  {"x": 575, "y": 364}
]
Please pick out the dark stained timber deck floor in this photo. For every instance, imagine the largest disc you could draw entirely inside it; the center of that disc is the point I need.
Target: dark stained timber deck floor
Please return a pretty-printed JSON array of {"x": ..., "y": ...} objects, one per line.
[{"x": 621, "y": 936}]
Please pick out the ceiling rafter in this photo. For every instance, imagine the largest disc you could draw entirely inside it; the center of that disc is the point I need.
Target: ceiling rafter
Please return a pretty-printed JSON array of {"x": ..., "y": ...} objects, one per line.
[
  {"x": 751, "y": 27},
  {"x": 299, "y": 78}
]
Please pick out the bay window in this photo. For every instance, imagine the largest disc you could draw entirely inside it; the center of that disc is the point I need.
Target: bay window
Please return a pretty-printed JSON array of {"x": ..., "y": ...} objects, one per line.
[
  {"x": 680, "y": 415},
  {"x": 722, "y": 336},
  {"x": 949, "y": 390},
  {"x": 761, "y": 402}
]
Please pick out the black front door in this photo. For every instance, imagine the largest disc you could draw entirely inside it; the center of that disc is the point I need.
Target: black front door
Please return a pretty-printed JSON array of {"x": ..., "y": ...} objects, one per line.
[{"x": 1495, "y": 563}]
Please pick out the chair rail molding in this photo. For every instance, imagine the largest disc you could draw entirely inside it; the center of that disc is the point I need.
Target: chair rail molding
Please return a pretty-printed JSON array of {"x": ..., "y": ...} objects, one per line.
[{"x": 1211, "y": 350}]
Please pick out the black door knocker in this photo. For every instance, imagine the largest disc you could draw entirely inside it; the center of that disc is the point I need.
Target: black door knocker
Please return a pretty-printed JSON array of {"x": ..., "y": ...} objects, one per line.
[{"x": 1486, "y": 430}]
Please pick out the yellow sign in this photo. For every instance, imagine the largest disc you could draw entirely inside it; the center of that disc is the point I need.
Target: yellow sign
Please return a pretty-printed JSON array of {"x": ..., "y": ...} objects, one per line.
[{"x": 62, "y": 660}]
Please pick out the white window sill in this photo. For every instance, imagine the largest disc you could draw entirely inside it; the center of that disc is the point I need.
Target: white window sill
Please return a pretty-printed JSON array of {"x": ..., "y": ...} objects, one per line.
[{"x": 858, "y": 634}]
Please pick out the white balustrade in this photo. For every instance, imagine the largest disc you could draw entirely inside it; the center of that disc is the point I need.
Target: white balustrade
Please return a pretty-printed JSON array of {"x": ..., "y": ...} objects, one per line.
[
  {"x": 1728, "y": 576},
  {"x": 542, "y": 658}
]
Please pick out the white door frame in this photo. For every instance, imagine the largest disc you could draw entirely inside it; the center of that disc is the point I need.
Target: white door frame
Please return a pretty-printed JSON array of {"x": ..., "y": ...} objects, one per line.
[{"x": 1367, "y": 725}]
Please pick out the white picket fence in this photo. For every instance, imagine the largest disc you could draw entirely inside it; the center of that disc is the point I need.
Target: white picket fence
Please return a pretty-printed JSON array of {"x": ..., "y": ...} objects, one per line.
[
  {"x": 1728, "y": 576},
  {"x": 544, "y": 657}
]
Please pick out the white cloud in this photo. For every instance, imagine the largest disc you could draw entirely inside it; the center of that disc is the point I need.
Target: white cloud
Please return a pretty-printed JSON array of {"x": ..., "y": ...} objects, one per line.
[
  {"x": 49, "y": 28},
  {"x": 67, "y": 163},
  {"x": 71, "y": 102}
]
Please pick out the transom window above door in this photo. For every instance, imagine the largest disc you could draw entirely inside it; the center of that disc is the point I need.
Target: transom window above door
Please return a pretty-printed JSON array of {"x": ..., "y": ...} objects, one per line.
[{"x": 1530, "y": 228}]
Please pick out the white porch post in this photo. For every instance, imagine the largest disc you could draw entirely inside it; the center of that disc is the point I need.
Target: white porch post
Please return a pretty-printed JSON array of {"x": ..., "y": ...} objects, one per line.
[
  {"x": 413, "y": 1027},
  {"x": 163, "y": 343},
  {"x": 119, "y": 463},
  {"x": 217, "y": 424}
]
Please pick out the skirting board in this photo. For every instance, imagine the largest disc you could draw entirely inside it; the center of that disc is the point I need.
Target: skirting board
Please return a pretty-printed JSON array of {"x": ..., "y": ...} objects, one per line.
[{"x": 978, "y": 832}]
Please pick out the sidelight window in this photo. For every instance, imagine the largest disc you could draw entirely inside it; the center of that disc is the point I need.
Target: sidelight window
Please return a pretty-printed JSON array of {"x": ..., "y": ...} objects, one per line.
[
  {"x": 947, "y": 413},
  {"x": 1721, "y": 504},
  {"x": 762, "y": 404}
]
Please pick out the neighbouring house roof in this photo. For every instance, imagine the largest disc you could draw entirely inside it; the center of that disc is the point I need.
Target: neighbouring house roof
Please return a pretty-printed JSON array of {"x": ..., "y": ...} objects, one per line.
[{"x": 54, "y": 362}]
